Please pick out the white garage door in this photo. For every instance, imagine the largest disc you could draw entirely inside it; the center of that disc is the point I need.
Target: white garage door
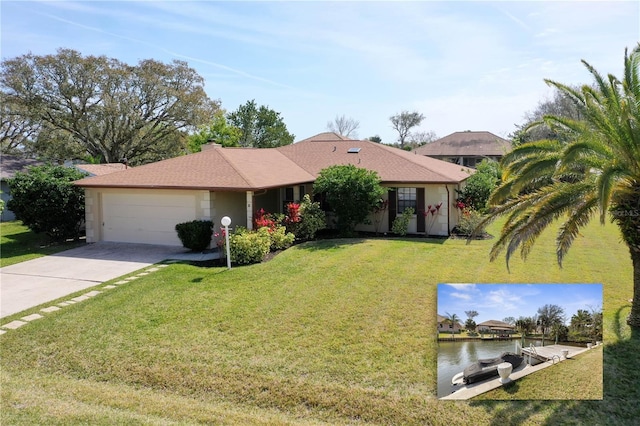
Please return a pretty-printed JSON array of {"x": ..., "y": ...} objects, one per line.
[{"x": 145, "y": 218}]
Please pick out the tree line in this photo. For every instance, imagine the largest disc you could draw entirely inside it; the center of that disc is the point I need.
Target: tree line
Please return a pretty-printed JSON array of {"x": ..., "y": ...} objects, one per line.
[
  {"x": 549, "y": 321},
  {"x": 67, "y": 106}
]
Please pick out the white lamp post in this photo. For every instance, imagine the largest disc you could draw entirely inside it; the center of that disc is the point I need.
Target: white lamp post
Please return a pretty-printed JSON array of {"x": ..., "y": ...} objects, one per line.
[{"x": 226, "y": 221}]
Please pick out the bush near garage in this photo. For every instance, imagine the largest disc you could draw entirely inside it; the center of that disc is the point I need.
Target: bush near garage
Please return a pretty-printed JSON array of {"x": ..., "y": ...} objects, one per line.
[
  {"x": 195, "y": 235},
  {"x": 45, "y": 199}
]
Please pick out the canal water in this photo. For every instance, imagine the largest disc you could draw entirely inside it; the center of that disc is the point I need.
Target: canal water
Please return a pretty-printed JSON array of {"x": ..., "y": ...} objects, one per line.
[{"x": 453, "y": 357}]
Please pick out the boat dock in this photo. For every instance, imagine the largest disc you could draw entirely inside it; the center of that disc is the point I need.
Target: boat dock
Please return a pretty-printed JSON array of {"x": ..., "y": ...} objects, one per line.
[
  {"x": 544, "y": 357},
  {"x": 552, "y": 353}
]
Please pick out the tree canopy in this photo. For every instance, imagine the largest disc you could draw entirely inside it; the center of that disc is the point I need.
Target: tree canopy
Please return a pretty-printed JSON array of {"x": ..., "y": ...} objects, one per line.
[
  {"x": 596, "y": 173},
  {"x": 534, "y": 128},
  {"x": 260, "y": 127},
  {"x": 403, "y": 122},
  {"x": 67, "y": 106},
  {"x": 218, "y": 130},
  {"x": 549, "y": 316}
]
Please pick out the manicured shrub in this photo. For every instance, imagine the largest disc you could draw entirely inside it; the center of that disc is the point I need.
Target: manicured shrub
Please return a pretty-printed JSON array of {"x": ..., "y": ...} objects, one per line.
[
  {"x": 400, "y": 224},
  {"x": 249, "y": 246},
  {"x": 195, "y": 235},
  {"x": 469, "y": 221},
  {"x": 45, "y": 199},
  {"x": 351, "y": 192},
  {"x": 280, "y": 238},
  {"x": 305, "y": 221},
  {"x": 478, "y": 186}
]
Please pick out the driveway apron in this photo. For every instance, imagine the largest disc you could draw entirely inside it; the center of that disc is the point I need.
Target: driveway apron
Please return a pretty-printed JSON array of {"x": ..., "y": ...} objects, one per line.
[{"x": 31, "y": 283}]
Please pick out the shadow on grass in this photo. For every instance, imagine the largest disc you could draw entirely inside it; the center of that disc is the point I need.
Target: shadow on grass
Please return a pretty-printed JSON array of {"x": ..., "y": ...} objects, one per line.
[
  {"x": 329, "y": 244},
  {"x": 27, "y": 243},
  {"x": 511, "y": 388},
  {"x": 337, "y": 243},
  {"x": 619, "y": 405}
]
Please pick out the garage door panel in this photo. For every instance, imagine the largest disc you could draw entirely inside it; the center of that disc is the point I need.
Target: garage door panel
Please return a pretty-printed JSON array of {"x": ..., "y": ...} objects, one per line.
[{"x": 146, "y": 218}]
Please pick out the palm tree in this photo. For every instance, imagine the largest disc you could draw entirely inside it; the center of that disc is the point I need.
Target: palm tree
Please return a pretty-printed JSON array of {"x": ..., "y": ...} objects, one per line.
[
  {"x": 452, "y": 319},
  {"x": 595, "y": 173},
  {"x": 581, "y": 320}
]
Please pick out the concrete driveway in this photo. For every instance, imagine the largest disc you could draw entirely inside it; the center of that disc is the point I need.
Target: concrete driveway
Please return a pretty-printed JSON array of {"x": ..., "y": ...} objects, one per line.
[{"x": 37, "y": 281}]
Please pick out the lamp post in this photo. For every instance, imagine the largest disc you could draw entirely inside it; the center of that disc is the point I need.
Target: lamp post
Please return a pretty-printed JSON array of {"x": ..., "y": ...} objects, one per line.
[{"x": 226, "y": 221}]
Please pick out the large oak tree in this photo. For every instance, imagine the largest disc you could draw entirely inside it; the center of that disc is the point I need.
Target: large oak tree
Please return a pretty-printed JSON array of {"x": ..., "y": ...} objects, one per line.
[
  {"x": 94, "y": 106},
  {"x": 260, "y": 126}
]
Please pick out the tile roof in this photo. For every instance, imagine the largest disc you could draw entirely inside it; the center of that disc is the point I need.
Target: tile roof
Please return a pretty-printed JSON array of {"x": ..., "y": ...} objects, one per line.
[
  {"x": 242, "y": 169},
  {"x": 466, "y": 144}
]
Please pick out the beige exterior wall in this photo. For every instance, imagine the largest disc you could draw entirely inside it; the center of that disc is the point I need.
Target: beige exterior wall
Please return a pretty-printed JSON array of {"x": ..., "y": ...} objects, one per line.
[
  {"x": 150, "y": 215},
  {"x": 232, "y": 204},
  {"x": 435, "y": 224}
]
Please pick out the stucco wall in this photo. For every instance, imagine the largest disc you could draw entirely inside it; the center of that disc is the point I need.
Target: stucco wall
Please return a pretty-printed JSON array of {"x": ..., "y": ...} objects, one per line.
[
  {"x": 232, "y": 204},
  {"x": 440, "y": 223}
]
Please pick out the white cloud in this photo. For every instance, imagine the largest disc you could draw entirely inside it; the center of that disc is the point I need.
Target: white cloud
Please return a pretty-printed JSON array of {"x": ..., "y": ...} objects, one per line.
[{"x": 463, "y": 296}]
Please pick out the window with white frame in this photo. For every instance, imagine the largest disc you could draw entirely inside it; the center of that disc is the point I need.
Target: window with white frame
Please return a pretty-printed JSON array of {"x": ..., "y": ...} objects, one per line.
[{"x": 406, "y": 199}]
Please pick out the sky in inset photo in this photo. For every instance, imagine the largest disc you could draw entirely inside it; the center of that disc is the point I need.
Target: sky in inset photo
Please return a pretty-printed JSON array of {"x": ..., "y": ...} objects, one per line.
[{"x": 499, "y": 301}]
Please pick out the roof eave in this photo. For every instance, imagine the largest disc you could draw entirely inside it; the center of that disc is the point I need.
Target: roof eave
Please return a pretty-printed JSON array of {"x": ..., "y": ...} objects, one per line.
[{"x": 198, "y": 188}]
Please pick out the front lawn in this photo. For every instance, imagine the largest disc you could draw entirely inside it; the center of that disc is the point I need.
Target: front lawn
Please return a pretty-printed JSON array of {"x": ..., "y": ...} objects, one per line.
[
  {"x": 18, "y": 243},
  {"x": 580, "y": 376},
  {"x": 331, "y": 332}
]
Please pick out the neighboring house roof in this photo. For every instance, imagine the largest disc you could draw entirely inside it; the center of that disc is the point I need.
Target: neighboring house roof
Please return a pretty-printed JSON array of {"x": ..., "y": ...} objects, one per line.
[
  {"x": 444, "y": 319},
  {"x": 495, "y": 324},
  {"x": 242, "y": 169},
  {"x": 467, "y": 143},
  {"x": 10, "y": 164},
  {"x": 101, "y": 169}
]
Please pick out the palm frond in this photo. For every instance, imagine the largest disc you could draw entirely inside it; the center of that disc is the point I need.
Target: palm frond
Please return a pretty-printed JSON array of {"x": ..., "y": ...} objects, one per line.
[
  {"x": 597, "y": 167},
  {"x": 606, "y": 182},
  {"x": 533, "y": 213},
  {"x": 601, "y": 83},
  {"x": 578, "y": 218},
  {"x": 631, "y": 79},
  {"x": 570, "y": 92}
]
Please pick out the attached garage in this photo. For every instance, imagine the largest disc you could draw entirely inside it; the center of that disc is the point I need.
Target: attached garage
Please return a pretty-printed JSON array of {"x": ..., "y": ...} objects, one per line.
[{"x": 142, "y": 216}]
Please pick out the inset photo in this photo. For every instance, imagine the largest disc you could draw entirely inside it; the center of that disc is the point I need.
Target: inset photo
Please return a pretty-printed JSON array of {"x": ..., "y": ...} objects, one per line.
[{"x": 519, "y": 341}]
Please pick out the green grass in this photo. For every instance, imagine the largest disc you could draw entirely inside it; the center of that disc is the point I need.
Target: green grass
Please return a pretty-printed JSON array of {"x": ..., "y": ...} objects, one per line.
[
  {"x": 18, "y": 244},
  {"x": 579, "y": 377},
  {"x": 332, "y": 332}
]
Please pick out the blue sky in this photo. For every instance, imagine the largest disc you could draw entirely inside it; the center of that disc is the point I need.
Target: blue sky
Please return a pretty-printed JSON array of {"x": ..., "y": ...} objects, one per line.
[
  {"x": 498, "y": 301},
  {"x": 464, "y": 65}
]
